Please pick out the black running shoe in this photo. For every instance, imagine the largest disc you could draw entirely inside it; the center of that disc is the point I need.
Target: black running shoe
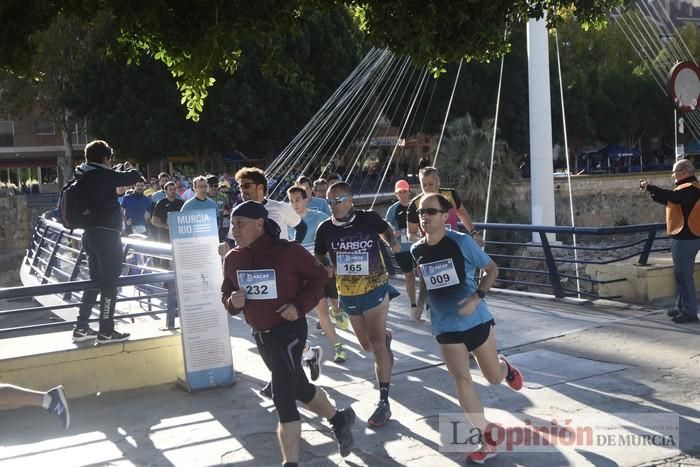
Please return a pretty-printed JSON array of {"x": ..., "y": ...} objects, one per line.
[
  {"x": 267, "y": 390},
  {"x": 685, "y": 319},
  {"x": 673, "y": 312},
  {"x": 381, "y": 414},
  {"x": 343, "y": 434},
  {"x": 84, "y": 334},
  {"x": 115, "y": 336},
  {"x": 313, "y": 357},
  {"x": 59, "y": 406}
]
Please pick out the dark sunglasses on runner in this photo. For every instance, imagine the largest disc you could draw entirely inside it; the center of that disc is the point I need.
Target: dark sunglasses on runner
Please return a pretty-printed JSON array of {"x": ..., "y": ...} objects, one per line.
[
  {"x": 337, "y": 200},
  {"x": 429, "y": 211}
]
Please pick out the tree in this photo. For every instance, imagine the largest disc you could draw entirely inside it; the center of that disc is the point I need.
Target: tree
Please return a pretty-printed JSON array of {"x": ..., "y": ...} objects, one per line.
[
  {"x": 464, "y": 162},
  {"x": 50, "y": 82},
  {"x": 257, "y": 110},
  {"x": 198, "y": 37}
]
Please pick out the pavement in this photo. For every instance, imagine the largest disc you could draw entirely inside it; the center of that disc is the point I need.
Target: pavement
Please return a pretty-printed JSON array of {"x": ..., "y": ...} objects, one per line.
[{"x": 604, "y": 364}]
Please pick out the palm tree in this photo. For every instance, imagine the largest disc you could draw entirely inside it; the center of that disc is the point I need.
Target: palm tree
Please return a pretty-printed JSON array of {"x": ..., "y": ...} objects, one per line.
[{"x": 465, "y": 158}]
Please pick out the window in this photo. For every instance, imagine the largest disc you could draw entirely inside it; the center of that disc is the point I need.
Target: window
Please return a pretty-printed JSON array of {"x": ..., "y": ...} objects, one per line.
[
  {"x": 44, "y": 127},
  {"x": 7, "y": 133},
  {"x": 79, "y": 134}
]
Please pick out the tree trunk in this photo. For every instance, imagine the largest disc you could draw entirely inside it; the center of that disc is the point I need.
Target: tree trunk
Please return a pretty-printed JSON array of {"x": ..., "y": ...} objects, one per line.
[{"x": 66, "y": 172}]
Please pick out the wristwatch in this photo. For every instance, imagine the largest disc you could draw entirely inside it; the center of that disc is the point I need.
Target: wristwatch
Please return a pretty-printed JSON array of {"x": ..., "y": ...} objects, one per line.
[{"x": 480, "y": 293}]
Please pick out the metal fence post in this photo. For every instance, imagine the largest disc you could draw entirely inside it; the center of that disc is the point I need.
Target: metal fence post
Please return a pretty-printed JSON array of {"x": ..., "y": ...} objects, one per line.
[
  {"x": 644, "y": 256},
  {"x": 551, "y": 266},
  {"x": 76, "y": 270},
  {"x": 172, "y": 305},
  {"x": 52, "y": 259},
  {"x": 38, "y": 247}
]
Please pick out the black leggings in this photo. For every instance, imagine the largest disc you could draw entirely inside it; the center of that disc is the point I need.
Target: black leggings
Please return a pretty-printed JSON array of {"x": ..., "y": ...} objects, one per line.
[{"x": 281, "y": 349}]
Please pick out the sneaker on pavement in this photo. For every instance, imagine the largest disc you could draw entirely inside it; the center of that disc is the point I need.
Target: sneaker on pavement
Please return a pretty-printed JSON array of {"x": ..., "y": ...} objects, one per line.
[
  {"x": 514, "y": 378},
  {"x": 267, "y": 390},
  {"x": 486, "y": 452},
  {"x": 381, "y": 414},
  {"x": 343, "y": 434},
  {"x": 340, "y": 355},
  {"x": 59, "y": 406},
  {"x": 341, "y": 319},
  {"x": 84, "y": 334},
  {"x": 116, "y": 336},
  {"x": 313, "y": 357},
  {"x": 685, "y": 319},
  {"x": 673, "y": 312}
]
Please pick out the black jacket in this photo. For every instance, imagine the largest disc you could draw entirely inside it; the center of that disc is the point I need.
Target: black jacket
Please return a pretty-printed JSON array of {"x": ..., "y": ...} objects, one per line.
[
  {"x": 101, "y": 184},
  {"x": 686, "y": 197}
]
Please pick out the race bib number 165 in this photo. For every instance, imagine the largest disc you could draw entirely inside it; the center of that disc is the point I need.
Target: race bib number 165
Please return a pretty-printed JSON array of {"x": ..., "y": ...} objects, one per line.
[{"x": 352, "y": 264}]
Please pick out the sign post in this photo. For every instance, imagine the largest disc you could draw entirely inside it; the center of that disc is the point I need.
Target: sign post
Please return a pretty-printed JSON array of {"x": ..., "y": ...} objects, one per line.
[{"x": 206, "y": 343}]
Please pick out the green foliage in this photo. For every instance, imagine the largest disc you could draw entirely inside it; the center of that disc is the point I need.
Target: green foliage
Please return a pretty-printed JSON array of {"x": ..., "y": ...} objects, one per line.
[
  {"x": 257, "y": 110},
  {"x": 438, "y": 32},
  {"x": 464, "y": 162},
  {"x": 197, "y": 38}
]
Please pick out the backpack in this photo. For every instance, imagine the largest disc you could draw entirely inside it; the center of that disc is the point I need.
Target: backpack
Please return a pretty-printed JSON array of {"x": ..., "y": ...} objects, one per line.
[
  {"x": 73, "y": 204},
  {"x": 675, "y": 220}
]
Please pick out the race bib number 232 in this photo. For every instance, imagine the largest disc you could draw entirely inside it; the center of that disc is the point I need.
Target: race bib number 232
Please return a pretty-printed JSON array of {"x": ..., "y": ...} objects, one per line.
[{"x": 258, "y": 284}]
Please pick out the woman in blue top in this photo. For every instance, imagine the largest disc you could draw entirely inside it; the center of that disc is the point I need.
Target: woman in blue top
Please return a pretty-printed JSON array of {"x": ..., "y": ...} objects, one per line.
[{"x": 461, "y": 321}]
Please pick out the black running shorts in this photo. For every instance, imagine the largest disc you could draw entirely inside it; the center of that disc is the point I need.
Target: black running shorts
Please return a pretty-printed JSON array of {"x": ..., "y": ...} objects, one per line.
[{"x": 472, "y": 338}]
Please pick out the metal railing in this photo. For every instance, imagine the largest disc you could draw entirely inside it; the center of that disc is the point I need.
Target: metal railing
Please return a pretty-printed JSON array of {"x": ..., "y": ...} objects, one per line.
[
  {"x": 545, "y": 265},
  {"x": 55, "y": 266},
  {"x": 55, "y": 273}
]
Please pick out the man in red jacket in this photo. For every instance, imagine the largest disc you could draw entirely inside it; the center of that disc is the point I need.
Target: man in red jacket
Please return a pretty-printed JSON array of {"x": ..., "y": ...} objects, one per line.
[{"x": 275, "y": 283}]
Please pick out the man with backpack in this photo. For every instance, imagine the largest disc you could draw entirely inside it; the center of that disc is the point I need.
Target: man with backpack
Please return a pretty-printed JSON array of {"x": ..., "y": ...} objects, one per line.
[{"x": 92, "y": 205}]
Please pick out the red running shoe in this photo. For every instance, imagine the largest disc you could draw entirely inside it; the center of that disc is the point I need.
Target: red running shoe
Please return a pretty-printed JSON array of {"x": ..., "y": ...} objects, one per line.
[
  {"x": 514, "y": 378},
  {"x": 487, "y": 451}
]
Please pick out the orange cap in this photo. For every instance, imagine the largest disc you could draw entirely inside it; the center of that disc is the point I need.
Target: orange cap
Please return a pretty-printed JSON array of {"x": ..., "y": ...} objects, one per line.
[{"x": 402, "y": 185}]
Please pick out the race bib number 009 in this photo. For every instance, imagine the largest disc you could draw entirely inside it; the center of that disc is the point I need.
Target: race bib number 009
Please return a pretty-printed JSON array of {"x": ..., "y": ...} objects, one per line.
[
  {"x": 439, "y": 274},
  {"x": 352, "y": 264},
  {"x": 258, "y": 284}
]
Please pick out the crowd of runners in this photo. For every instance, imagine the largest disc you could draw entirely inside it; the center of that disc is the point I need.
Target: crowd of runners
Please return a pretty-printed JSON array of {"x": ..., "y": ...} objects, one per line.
[
  {"x": 324, "y": 254},
  {"x": 317, "y": 251}
]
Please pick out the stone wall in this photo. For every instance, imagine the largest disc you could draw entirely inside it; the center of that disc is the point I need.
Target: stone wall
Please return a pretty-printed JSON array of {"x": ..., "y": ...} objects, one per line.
[
  {"x": 18, "y": 214},
  {"x": 601, "y": 200}
]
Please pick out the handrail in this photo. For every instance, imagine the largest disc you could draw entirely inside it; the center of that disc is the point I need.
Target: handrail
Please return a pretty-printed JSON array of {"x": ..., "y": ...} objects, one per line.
[
  {"x": 55, "y": 261},
  {"x": 624, "y": 229},
  {"x": 56, "y": 274},
  {"x": 76, "y": 286}
]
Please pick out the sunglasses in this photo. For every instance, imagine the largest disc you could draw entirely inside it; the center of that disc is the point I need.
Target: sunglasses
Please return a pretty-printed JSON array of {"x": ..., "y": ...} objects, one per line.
[
  {"x": 337, "y": 200},
  {"x": 429, "y": 211},
  {"x": 247, "y": 185}
]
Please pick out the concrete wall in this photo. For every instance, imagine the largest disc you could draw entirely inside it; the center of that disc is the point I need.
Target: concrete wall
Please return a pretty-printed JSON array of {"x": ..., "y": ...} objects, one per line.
[{"x": 601, "y": 200}]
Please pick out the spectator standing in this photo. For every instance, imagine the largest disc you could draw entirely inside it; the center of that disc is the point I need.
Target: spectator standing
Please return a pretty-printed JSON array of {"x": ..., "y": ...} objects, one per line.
[
  {"x": 683, "y": 225},
  {"x": 102, "y": 239}
]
